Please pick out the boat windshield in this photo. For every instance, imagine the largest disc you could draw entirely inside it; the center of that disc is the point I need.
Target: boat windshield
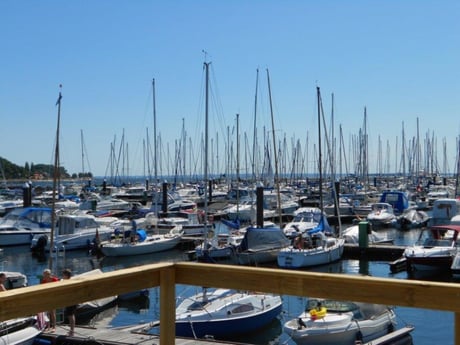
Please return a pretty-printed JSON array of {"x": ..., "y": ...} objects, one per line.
[{"x": 332, "y": 306}]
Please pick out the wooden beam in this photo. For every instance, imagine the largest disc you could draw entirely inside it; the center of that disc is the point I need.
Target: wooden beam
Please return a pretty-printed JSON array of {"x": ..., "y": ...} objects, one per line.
[
  {"x": 409, "y": 293},
  {"x": 43, "y": 297}
]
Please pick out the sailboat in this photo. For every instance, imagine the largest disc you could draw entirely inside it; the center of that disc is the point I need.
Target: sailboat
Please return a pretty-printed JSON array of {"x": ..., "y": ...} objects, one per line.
[{"x": 313, "y": 247}]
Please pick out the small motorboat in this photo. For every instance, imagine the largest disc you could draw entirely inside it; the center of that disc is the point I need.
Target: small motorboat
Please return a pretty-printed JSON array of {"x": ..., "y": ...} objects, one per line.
[
  {"x": 437, "y": 250},
  {"x": 223, "y": 312},
  {"x": 412, "y": 219},
  {"x": 382, "y": 214},
  {"x": 19, "y": 331},
  {"x": 327, "y": 322}
]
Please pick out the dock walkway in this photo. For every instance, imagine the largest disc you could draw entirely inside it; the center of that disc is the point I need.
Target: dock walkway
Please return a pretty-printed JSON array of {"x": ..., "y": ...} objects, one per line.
[{"x": 114, "y": 336}]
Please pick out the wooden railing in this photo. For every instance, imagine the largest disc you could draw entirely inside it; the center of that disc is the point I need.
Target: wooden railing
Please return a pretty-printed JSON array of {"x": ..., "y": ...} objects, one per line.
[{"x": 408, "y": 293}]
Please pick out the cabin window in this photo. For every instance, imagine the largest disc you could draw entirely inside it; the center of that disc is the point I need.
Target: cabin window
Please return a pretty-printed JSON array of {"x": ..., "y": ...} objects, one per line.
[{"x": 243, "y": 308}]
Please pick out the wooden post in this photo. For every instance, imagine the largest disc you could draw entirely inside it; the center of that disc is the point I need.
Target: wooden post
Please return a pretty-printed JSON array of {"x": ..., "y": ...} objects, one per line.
[{"x": 167, "y": 307}]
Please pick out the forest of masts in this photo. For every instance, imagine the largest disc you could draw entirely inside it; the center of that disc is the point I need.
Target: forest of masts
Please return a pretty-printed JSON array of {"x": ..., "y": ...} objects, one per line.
[{"x": 248, "y": 155}]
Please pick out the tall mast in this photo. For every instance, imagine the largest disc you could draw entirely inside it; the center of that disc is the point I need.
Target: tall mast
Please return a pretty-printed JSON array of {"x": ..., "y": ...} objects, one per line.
[
  {"x": 155, "y": 166},
  {"x": 55, "y": 180},
  {"x": 206, "y": 66},
  {"x": 254, "y": 140},
  {"x": 277, "y": 182},
  {"x": 82, "y": 153},
  {"x": 320, "y": 158}
]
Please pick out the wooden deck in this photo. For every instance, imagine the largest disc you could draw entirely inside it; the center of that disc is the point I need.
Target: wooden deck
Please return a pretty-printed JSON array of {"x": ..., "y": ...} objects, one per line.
[{"x": 114, "y": 336}]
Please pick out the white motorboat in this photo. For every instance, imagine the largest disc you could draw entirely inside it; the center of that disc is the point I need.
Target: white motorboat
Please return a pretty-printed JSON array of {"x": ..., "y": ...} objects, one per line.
[
  {"x": 142, "y": 244},
  {"x": 437, "y": 251},
  {"x": 21, "y": 224},
  {"x": 311, "y": 249},
  {"x": 223, "y": 312},
  {"x": 74, "y": 231},
  {"x": 20, "y": 331},
  {"x": 9, "y": 205},
  {"x": 382, "y": 214},
  {"x": 332, "y": 322},
  {"x": 411, "y": 219},
  {"x": 351, "y": 235},
  {"x": 217, "y": 247}
]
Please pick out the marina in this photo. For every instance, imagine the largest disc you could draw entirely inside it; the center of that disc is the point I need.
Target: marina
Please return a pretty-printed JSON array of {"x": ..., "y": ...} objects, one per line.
[{"x": 20, "y": 258}]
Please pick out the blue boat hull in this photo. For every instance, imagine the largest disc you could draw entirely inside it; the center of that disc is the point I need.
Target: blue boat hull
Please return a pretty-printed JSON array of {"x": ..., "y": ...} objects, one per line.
[{"x": 222, "y": 328}]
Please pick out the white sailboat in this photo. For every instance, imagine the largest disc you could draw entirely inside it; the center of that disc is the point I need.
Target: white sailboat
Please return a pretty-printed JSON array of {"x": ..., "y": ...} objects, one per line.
[{"x": 315, "y": 246}]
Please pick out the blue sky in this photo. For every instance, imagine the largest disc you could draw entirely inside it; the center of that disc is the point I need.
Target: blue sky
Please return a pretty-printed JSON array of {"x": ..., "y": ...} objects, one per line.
[{"x": 399, "y": 59}]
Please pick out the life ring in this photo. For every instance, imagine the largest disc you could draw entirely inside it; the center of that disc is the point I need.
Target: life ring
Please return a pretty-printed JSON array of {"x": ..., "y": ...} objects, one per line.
[{"x": 318, "y": 313}]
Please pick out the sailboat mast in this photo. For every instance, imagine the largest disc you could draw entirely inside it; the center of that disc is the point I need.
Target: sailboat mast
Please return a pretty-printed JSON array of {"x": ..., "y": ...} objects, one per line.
[
  {"x": 320, "y": 158},
  {"x": 55, "y": 180},
  {"x": 277, "y": 182},
  {"x": 254, "y": 139},
  {"x": 206, "y": 66},
  {"x": 155, "y": 166}
]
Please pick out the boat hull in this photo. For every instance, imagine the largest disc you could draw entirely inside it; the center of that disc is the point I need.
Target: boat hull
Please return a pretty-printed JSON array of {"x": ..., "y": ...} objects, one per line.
[
  {"x": 217, "y": 324},
  {"x": 152, "y": 244},
  {"x": 297, "y": 258}
]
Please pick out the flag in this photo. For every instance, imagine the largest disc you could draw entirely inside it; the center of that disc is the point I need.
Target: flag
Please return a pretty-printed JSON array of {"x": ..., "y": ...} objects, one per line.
[{"x": 59, "y": 99}]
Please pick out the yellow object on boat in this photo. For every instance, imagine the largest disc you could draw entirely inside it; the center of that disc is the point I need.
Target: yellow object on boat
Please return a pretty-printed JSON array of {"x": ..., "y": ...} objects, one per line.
[{"x": 318, "y": 313}]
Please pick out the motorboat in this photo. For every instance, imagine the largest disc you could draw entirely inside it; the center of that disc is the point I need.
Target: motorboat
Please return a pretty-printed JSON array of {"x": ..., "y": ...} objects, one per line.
[
  {"x": 88, "y": 309},
  {"x": 437, "y": 251},
  {"x": 9, "y": 205},
  {"x": 351, "y": 235},
  {"x": 20, "y": 331},
  {"x": 411, "y": 219},
  {"x": 191, "y": 221},
  {"x": 261, "y": 244},
  {"x": 399, "y": 200},
  {"x": 223, "y": 312},
  {"x": 74, "y": 231},
  {"x": 141, "y": 243},
  {"x": 332, "y": 322},
  {"x": 306, "y": 219},
  {"x": 15, "y": 280},
  {"x": 21, "y": 224},
  {"x": 245, "y": 211},
  {"x": 382, "y": 214},
  {"x": 312, "y": 248},
  {"x": 218, "y": 247}
]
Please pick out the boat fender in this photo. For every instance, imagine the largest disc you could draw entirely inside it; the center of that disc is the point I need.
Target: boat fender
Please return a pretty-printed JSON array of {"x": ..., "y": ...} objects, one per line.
[
  {"x": 318, "y": 313},
  {"x": 41, "y": 243}
]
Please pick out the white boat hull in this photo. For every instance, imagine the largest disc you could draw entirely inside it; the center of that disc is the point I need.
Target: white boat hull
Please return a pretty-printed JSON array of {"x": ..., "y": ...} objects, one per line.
[
  {"x": 296, "y": 258},
  {"x": 152, "y": 244}
]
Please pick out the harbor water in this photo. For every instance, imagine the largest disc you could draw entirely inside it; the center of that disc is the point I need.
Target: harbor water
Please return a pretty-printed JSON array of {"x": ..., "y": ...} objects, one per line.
[{"x": 431, "y": 326}]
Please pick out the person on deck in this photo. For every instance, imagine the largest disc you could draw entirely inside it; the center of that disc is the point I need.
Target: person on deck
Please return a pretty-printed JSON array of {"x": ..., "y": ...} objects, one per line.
[
  {"x": 48, "y": 278},
  {"x": 70, "y": 310},
  {"x": 2, "y": 281}
]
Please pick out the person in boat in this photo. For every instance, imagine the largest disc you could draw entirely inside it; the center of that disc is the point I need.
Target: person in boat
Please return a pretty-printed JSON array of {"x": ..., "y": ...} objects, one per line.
[
  {"x": 2, "y": 281},
  {"x": 70, "y": 310},
  {"x": 133, "y": 233},
  {"x": 48, "y": 277}
]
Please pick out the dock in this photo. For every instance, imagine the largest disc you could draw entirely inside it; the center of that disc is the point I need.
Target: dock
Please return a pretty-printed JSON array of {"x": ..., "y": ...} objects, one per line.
[
  {"x": 399, "y": 336},
  {"x": 384, "y": 252},
  {"x": 114, "y": 336}
]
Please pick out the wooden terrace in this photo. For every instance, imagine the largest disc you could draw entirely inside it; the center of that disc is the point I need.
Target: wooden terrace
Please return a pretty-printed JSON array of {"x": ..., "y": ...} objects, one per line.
[{"x": 408, "y": 293}]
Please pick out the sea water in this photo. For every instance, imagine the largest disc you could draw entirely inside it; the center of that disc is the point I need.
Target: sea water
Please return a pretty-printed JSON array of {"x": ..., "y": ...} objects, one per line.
[{"x": 431, "y": 326}]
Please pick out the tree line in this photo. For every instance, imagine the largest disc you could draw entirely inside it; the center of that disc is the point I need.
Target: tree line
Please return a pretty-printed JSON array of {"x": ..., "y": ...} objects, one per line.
[{"x": 9, "y": 170}]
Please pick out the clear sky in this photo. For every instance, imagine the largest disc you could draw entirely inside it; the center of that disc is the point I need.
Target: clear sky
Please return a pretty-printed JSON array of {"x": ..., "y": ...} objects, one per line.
[{"x": 399, "y": 59}]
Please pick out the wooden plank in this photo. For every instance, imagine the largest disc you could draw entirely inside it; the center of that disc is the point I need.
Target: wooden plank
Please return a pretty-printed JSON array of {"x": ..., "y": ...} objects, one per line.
[{"x": 409, "y": 293}]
